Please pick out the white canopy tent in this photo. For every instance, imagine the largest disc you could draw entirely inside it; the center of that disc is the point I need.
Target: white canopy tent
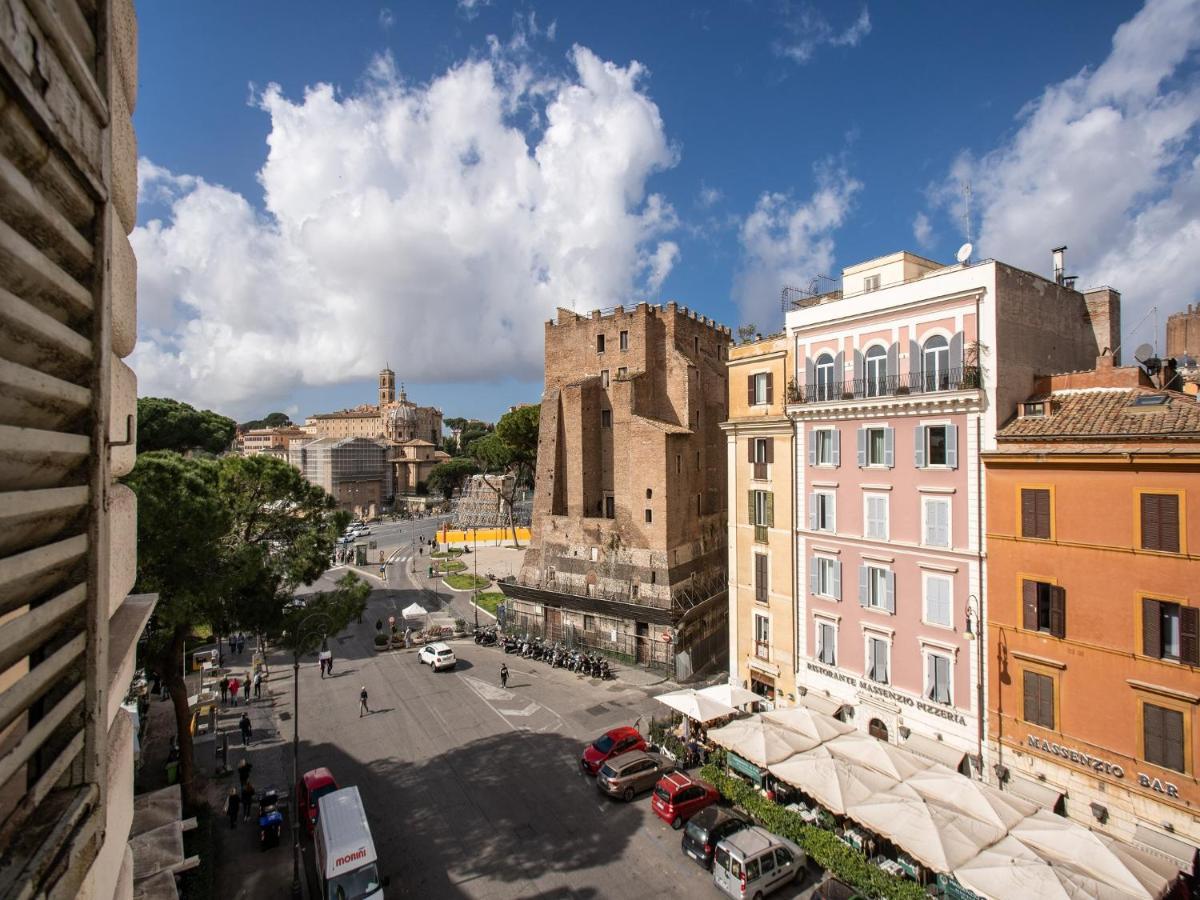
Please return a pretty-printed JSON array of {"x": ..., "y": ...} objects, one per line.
[
  {"x": 696, "y": 705},
  {"x": 834, "y": 783},
  {"x": 971, "y": 798},
  {"x": 884, "y": 758},
  {"x": 809, "y": 723},
  {"x": 730, "y": 695},
  {"x": 413, "y": 611},
  {"x": 1010, "y": 869},
  {"x": 759, "y": 741}
]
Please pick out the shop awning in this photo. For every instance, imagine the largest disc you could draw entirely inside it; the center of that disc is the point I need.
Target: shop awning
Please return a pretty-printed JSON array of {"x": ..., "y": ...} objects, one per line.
[
  {"x": 1177, "y": 851},
  {"x": 1039, "y": 792},
  {"x": 822, "y": 704},
  {"x": 759, "y": 741},
  {"x": 729, "y": 694},
  {"x": 833, "y": 783},
  {"x": 935, "y": 751},
  {"x": 696, "y": 705}
]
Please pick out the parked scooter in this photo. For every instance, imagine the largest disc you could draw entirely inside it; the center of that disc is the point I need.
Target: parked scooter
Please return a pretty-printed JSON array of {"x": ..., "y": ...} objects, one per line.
[{"x": 270, "y": 819}]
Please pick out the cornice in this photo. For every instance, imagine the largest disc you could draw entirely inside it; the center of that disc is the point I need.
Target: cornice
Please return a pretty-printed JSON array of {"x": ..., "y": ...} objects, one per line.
[{"x": 940, "y": 402}]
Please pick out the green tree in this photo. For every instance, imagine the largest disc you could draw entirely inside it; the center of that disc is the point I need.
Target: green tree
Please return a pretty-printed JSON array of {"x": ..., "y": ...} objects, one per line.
[
  {"x": 226, "y": 542},
  {"x": 271, "y": 420},
  {"x": 511, "y": 449},
  {"x": 445, "y": 477},
  {"x": 165, "y": 424}
]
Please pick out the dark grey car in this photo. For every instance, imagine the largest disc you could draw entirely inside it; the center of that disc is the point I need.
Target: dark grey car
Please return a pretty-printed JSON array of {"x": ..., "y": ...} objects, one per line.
[{"x": 631, "y": 773}]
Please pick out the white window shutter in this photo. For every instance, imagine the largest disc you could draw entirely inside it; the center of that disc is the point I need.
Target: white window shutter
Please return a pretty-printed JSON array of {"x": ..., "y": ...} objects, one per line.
[
  {"x": 919, "y": 446},
  {"x": 889, "y": 447},
  {"x": 944, "y": 523},
  {"x": 891, "y": 592},
  {"x": 812, "y": 447},
  {"x": 862, "y": 448},
  {"x": 812, "y": 512},
  {"x": 952, "y": 446},
  {"x": 864, "y": 588},
  {"x": 836, "y": 435},
  {"x": 814, "y": 574},
  {"x": 836, "y": 589},
  {"x": 831, "y": 512}
]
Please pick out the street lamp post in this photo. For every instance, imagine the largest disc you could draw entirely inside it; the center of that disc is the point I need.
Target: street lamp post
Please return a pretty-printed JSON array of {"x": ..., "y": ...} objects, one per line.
[
  {"x": 974, "y": 609},
  {"x": 475, "y": 584},
  {"x": 302, "y": 629}
]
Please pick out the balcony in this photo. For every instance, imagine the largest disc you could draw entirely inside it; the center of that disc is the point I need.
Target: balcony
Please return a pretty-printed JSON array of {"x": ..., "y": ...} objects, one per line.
[{"x": 963, "y": 379}]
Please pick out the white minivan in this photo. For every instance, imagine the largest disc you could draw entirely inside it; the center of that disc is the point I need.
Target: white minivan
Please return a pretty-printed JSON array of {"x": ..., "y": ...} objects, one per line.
[
  {"x": 345, "y": 851},
  {"x": 753, "y": 862}
]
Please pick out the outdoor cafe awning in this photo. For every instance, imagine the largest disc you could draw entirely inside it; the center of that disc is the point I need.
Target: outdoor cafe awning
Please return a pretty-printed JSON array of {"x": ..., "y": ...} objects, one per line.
[
  {"x": 935, "y": 751},
  {"x": 833, "y": 783},
  {"x": 1179, "y": 852},
  {"x": 825, "y": 705},
  {"x": 730, "y": 694},
  {"x": 696, "y": 705},
  {"x": 760, "y": 742}
]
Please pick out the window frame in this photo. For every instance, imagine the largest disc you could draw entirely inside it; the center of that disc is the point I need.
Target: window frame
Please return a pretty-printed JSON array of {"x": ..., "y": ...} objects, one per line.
[
  {"x": 762, "y": 576},
  {"x": 926, "y": 619},
  {"x": 1184, "y": 658},
  {"x": 823, "y": 438},
  {"x": 823, "y": 372},
  {"x": 938, "y": 371},
  {"x": 762, "y": 619},
  {"x": 1051, "y": 677},
  {"x": 1180, "y": 524},
  {"x": 600, "y": 343},
  {"x": 881, "y": 463},
  {"x": 868, "y": 497},
  {"x": 819, "y": 623},
  {"x": 929, "y": 653},
  {"x": 1181, "y": 708},
  {"x": 927, "y": 437},
  {"x": 605, "y": 380},
  {"x": 926, "y": 501},
  {"x": 623, "y": 340},
  {"x": 1052, "y": 585},
  {"x": 826, "y": 502},
  {"x": 760, "y": 388},
  {"x": 872, "y": 283},
  {"x": 1020, "y": 512},
  {"x": 872, "y": 569},
  {"x": 875, "y": 371},
  {"x": 605, "y": 418},
  {"x": 869, "y": 659},
  {"x": 827, "y": 564}
]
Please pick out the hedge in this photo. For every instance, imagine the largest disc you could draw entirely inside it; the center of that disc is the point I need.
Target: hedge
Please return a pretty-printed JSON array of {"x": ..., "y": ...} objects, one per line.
[{"x": 823, "y": 847}]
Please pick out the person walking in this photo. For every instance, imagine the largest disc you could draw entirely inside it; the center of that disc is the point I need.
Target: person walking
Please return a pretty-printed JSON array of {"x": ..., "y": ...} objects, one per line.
[
  {"x": 503, "y": 675},
  {"x": 234, "y": 687},
  {"x": 258, "y": 685},
  {"x": 232, "y": 802},
  {"x": 363, "y": 709},
  {"x": 244, "y": 768},
  {"x": 247, "y": 800},
  {"x": 224, "y": 689},
  {"x": 244, "y": 726}
]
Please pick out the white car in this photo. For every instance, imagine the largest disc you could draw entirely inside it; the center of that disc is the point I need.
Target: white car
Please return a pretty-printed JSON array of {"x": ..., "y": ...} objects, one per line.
[
  {"x": 438, "y": 655},
  {"x": 364, "y": 531}
]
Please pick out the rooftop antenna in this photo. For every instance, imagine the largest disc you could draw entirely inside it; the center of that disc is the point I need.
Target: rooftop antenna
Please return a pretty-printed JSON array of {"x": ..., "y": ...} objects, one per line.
[{"x": 964, "y": 252}]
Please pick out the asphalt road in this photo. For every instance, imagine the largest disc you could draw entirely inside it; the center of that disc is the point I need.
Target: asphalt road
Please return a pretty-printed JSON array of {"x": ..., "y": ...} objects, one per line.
[{"x": 474, "y": 791}]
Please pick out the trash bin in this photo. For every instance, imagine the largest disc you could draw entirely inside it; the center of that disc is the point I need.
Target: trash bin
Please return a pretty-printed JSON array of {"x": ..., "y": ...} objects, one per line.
[{"x": 172, "y": 771}]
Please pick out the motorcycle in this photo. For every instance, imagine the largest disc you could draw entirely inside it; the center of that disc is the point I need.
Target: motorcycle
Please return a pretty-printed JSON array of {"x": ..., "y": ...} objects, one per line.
[{"x": 270, "y": 819}]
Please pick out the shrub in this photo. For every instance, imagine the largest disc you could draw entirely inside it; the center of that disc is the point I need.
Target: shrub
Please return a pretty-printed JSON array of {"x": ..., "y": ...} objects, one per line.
[
  {"x": 460, "y": 625},
  {"x": 381, "y": 640},
  {"x": 823, "y": 847}
]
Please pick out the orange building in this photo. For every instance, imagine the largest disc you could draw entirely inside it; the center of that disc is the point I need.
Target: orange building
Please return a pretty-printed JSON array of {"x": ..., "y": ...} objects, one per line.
[{"x": 1093, "y": 593}]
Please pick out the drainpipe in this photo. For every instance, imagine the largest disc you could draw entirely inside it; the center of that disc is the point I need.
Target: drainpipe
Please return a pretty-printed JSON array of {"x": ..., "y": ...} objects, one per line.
[
  {"x": 798, "y": 622},
  {"x": 979, "y": 551}
]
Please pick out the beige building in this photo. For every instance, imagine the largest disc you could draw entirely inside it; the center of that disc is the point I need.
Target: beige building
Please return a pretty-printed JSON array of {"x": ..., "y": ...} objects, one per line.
[
  {"x": 763, "y": 649},
  {"x": 68, "y": 529},
  {"x": 272, "y": 441},
  {"x": 392, "y": 418},
  {"x": 628, "y": 547},
  {"x": 353, "y": 470},
  {"x": 411, "y": 462}
]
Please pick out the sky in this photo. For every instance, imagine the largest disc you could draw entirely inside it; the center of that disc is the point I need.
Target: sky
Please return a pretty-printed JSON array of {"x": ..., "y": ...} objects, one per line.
[{"x": 328, "y": 189}]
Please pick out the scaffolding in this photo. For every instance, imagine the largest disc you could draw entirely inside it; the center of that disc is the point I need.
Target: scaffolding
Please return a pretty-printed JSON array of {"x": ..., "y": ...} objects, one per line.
[{"x": 481, "y": 506}]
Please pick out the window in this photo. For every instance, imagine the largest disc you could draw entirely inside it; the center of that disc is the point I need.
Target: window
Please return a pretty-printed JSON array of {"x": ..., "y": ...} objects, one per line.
[
  {"x": 1170, "y": 631},
  {"x": 1162, "y": 737},
  {"x": 604, "y": 378},
  {"x": 759, "y": 389},
  {"x": 623, "y": 340},
  {"x": 937, "y": 678},
  {"x": 877, "y": 660},
  {"x": 762, "y": 637},
  {"x": 876, "y": 447},
  {"x": 599, "y": 343},
  {"x": 936, "y": 512},
  {"x": 936, "y": 360},
  {"x": 822, "y": 514},
  {"x": 824, "y": 372},
  {"x": 699, "y": 505},
  {"x": 877, "y": 373},
  {"x": 827, "y": 643},
  {"x": 826, "y": 577},
  {"x": 936, "y": 445},
  {"x": 589, "y": 623},
  {"x": 610, "y": 507},
  {"x": 871, "y": 283},
  {"x": 761, "y": 586},
  {"x": 649, "y": 493},
  {"x": 937, "y": 601},
  {"x": 649, "y": 516},
  {"x": 768, "y": 864},
  {"x": 678, "y": 463},
  {"x": 1034, "y": 409},
  {"x": 875, "y": 515},
  {"x": 606, "y": 418},
  {"x": 876, "y": 588},
  {"x": 1160, "y": 522},
  {"x": 1035, "y": 513},
  {"x": 696, "y": 345},
  {"x": 1038, "y": 695},
  {"x": 1044, "y": 608},
  {"x": 825, "y": 447},
  {"x": 761, "y": 452},
  {"x": 622, "y": 373}
]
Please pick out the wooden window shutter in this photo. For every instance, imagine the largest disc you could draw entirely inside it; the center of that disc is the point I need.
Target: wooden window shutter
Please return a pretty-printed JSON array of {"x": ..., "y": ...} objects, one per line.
[
  {"x": 770, "y": 445},
  {"x": 1058, "y": 611},
  {"x": 770, "y": 523},
  {"x": 1042, "y": 513},
  {"x": 750, "y": 507},
  {"x": 1189, "y": 635},
  {"x": 760, "y": 577},
  {"x": 1028, "y": 513},
  {"x": 1152, "y": 732},
  {"x": 770, "y": 376},
  {"x": 1168, "y": 522},
  {"x": 1029, "y": 618},
  {"x": 1030, "y": 688},
  {"x": 1172, "y": 727},
  {"x": 1046, "y": 698},
  {"x": 750, "y": 390},
  {"x": 750, "y": 450},
  {"x": 1151, "y": 628}
]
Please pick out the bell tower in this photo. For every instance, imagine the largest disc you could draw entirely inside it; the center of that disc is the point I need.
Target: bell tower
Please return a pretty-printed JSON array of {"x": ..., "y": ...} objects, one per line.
[{"x": 387, "y": 387}]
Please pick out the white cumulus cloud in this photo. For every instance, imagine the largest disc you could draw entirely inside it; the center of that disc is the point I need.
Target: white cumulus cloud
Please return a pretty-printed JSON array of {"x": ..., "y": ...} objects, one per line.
[
  {"x": 785, "y": 242},
  {"x": 1108, "y": 163},
  {"x": 807, "y": 29},
  {"x": 434, "y": 226}
]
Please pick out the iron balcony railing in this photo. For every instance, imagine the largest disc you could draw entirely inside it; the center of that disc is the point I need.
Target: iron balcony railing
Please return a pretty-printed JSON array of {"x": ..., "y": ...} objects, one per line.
[{"x": 962, "y": 379}]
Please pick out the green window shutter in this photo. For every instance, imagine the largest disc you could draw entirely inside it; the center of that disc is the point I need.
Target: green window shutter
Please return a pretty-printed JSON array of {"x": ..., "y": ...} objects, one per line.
[{"x": 770, "y": 523}]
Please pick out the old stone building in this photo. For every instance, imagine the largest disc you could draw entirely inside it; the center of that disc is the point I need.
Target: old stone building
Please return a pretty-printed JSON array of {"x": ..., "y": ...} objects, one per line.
[
  {"x": 392, "y": 418},
  {"x": 628, "y": 545},
  {"x": 355, "y": 471}
]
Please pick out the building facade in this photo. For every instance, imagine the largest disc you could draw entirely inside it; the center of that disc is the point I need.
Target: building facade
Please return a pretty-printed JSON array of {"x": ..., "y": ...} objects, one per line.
[
  {"x": 763, "y": 645},
  {"x": 1094, "y": 606},
  {"x": 272, "y": 441},
  {"x": 68, "y": 401},
  {"x": 392, "y": 418},
  {"x": 628, "y": 544},
  {"x": 411, "y": 462},
  {"x": 354, "y": 471},
  {"x": 900, "y": 379}
]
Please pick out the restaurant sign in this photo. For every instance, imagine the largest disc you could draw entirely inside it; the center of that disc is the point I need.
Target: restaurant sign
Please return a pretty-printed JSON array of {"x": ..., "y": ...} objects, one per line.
[
  {"x": 895, "y": 696},
  {"x": 1102, "y": 766}
]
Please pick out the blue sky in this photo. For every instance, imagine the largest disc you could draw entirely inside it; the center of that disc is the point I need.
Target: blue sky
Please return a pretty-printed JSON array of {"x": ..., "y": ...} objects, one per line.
[{"x": 472, "y": 165}]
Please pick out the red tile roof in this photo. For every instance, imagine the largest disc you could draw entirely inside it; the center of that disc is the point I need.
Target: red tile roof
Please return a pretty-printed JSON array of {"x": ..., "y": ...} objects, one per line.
[{"x": 1107, "y": 414}]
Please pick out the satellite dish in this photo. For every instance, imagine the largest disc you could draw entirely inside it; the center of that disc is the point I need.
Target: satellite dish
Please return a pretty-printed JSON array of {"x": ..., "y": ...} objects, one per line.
[
  {"x": 1143, "y": 352},
  {"x": 964, "y": 253}
]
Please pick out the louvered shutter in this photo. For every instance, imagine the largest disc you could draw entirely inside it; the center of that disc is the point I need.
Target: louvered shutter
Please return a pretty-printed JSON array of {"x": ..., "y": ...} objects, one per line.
[
  {"x": 1168, "y": 522},
  {"x": 891, "y": 592},
  {"x": 831, "y": 512},
  {"x": 1029, "y": 616},
  {"x": 750, "y": 507},
  {"x": 1151, "y": 628},
  {"x": 1046, "y": 699},
  {"x": 859, "y": 385},
  {"x": 812, "y": 512},
  {"x": 1172, "y": 730},
  {"x": 770, "y": 448},
  {"x": 952, "y": 446},
  {"x": 862, "y": 448},
  {"x": 1042, "y": 513},
  {"x": 760, "y": 577},
  {"x": 750, "y": 398},
  {"x": 810, "y": 379},
  {"x": 750, "y": 451},
  {"x": 836, "y": 590},
  {"x": 1028, "y": 513},
  {"x": 836, "y": 437},
  {"x": 1058, "y": 611},
  {"x": 1030, "y": 696},
  {"x": 915, "y": 378},
  {"x": 770, "y": 523},
  {"x": 814, "y": 576},
  {"x": 889, "y": 447},
  {"x": 956, "y": 358},
  {"x": 930, "y": 677},
  {"x": 839, "y": 376},
  {"x": 1152, "y": 733},
  {"x": 770, "y": 376},
  {"x": 1189, "y": 639},
  {"x": 919, "y": 446},
  {"x": 812, "y": 447},
  {"x": 864, "y": 589}
]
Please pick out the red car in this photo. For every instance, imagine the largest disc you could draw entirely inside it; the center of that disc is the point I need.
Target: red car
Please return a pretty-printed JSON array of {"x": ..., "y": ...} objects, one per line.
[
  {"x": 677, "y": 798},
  {"x": 313, "y": 786},
  {"x": 610, "y": 744}
]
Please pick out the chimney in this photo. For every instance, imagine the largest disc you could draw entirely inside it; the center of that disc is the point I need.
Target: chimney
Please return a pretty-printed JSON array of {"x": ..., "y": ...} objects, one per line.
[
  {"x": 1104, "y": 315},
  {"x": 1057, "y": 254}
]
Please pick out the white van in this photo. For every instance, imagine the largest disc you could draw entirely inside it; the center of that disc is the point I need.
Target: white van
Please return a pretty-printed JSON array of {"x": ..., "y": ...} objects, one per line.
[{"x": 345, "y": 852}]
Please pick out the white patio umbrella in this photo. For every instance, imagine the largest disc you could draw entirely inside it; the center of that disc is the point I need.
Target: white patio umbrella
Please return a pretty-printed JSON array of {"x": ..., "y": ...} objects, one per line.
[
  {"x": 834, "y": 783},
  {"x": 930, "y": 833},
  {"x": 970, "y": 797},
  {"x": 760, "y": 742},
  {"x": 413, "y": 611},
  {"x": 1111, "y": 862},
  {"x": 730, "y": 694},
  {"x": 695, "y": 705},
  {"x": 809, "y": 723},
  {"x": 1010, "y": 869},
  {"x": 885, "y": 758}
]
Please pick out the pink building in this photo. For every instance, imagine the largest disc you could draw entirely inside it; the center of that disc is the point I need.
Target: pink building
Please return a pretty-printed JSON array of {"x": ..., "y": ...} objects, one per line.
[{"x": 900, "y": 379}]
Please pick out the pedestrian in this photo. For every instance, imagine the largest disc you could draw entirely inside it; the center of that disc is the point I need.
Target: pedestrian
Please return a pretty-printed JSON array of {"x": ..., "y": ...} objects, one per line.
[
  {"x": 224, "y": 689},
  {"x": 243, "y": 770},
  {"x": 247, "y": 800},
  {"x": 241, "y": 643},
  {"x": 234, "y": 685},
  {"x": 258, "y": 685},
  {"x": 379, "y": 625},
  {"x": 362, "y": 702},
  {"x": 503, "y": 675},
  {"x": 244, "y": 725},
  {"x": 329, "y": 664},
  {"x": 232, "y": 802}
]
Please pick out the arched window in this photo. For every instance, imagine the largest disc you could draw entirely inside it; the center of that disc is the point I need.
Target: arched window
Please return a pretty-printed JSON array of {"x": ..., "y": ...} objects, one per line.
[
  {"x": 935, "y": 358},
  {"x": 877, "y": 373},
  {"x": 824, "y": 377}
]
